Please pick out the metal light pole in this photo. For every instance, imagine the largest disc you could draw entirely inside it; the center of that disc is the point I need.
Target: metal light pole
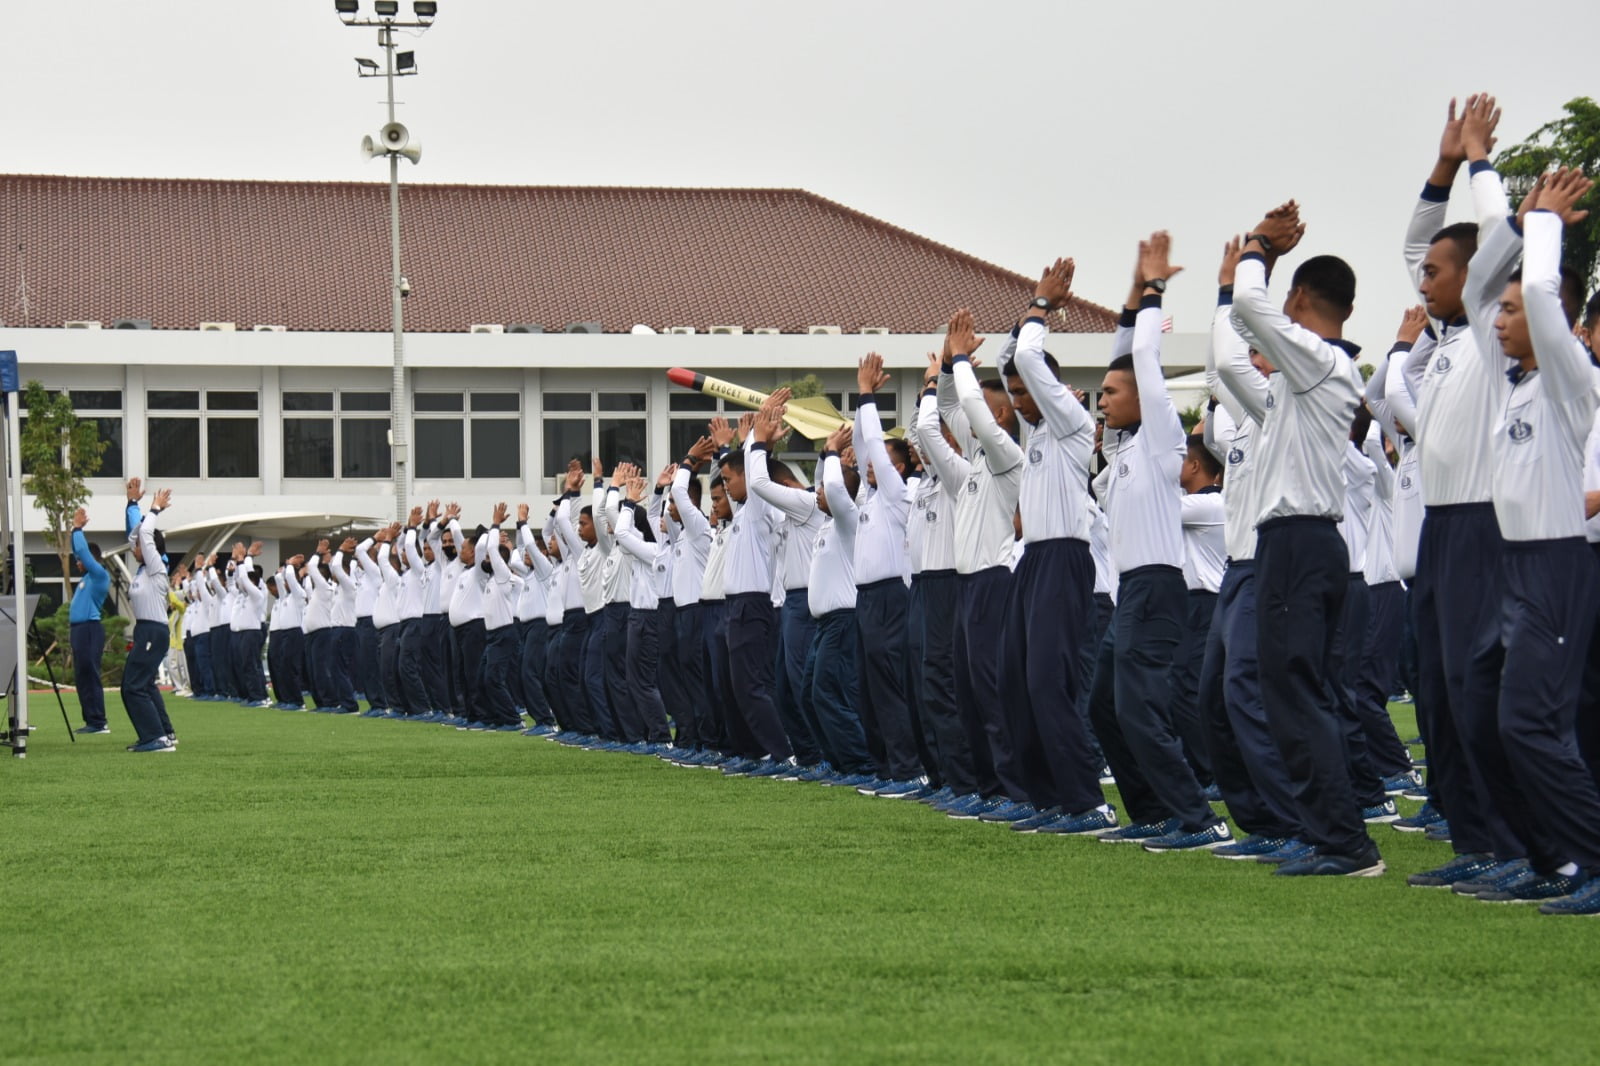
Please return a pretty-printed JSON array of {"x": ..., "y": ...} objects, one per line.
[{"x": 393, "y": 141}]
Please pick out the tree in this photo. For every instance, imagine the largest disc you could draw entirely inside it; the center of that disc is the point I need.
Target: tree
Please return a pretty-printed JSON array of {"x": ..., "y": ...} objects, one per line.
[
  {"x": 60, "y": 453},
  {"x": 1573, "y": 140}
]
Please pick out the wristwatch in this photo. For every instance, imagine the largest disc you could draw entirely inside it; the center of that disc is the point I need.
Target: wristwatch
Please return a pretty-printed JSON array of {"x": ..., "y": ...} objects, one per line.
[
  {"x": 1261, "y": 239},
  {"x": 1158, "y": 284},
  {"x": 1041, "y": 303}
]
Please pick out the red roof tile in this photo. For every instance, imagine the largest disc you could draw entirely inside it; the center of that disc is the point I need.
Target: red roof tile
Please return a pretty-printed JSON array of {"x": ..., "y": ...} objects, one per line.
[{"x": 315, "y": 255}]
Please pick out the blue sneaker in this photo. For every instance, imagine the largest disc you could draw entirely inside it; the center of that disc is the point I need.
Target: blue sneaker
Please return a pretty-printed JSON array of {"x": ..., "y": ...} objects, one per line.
[
  {"x": 1199, "y": 840},
  {"x": 844, "y": 780},
  {"x": 971, "y": 812},
  {"x": 1382, "y": 812},
  {"x": 1438, "y": 832},
  {"x": 1139, "y": 832},
  {"x": 1091, "y": 822},
  {"x": 1041, "y": 817},
  {"x": 92, "y": 730},
  {"x": 958, "y": 800},
  {"x": 1368, "y": 865},
  {"x": 1010, "y": 812},
  {"x": 508, "y": 728},
  {"x": 915, "y": 788},
  {"x": 1584, "y": 902},
  {"x": 1534, "y": 887},
  {"x": 739, "y": 767},
  {"x": 153, "y": 746},
  {"x": 945, "y": 793},
  {"x": 1292, "y": 851},
  {"x": 542, "y": 731},
  {"x": 1418, "y": 822},
  {"x": 370, "y": 712},
  {"x": 820, "y": 772},
  {"x": 775, "y": 767},
  {"x": 1461, "y": 868},
  {"x": 1493, "y": 879},
  {"x": 1399, "y": 784},
  {"x": 1417, "y": 795},
  {"x": 1249, "y": 848}
]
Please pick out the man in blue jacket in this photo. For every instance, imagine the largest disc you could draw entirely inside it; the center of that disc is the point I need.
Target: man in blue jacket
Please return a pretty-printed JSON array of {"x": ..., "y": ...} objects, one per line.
[{"x": 88, "y": 634}]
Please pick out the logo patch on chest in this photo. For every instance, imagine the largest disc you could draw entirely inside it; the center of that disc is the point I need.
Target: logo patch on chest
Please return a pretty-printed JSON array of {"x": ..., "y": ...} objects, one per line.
[
  {"x": 1442, "y": 364},
  {"x": 1035, "y": 456},
  {"x": 1520, "y": 432},
  {"x": 1235, "y": 456}
]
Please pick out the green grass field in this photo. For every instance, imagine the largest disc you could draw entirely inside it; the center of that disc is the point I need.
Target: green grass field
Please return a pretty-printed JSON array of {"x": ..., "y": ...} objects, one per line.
[{"x": 307, "y": 888}]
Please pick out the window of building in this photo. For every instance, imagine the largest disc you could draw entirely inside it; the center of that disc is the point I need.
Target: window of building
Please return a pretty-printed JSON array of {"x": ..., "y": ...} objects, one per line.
[
  {"x": 103, "y": 407},
  {"x": 456, "y": 432},
  {"x": 215, "y": 430},
  {"x": 347, "y": 432},
  {"x": 581, "y": 425}
]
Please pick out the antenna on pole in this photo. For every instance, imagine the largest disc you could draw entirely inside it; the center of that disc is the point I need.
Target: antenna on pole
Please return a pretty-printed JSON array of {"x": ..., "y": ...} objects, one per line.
[{"x": 23, "y": 303}]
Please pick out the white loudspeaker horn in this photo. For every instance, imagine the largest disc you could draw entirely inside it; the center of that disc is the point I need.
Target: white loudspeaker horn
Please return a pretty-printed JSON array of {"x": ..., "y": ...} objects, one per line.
[
  {"x": 413, "y": 151},
  {"x": 371, "y": 149},
  {"x": 394, "y": 136}
]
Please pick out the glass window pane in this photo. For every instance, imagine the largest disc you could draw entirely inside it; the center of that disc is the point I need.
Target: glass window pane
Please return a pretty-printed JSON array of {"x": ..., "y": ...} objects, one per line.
[
  {"x": 97, "y": 399},
  {"x": 565, "y": 439},
  {"x": 365, "y": 447},
  {"x": 233, "y": 447},
  {"x": 110, "y": 432},
  {"x": 885, "y": 400},
  {"x": 172, "y": 400},
  {"x": 566, "y": 401},
  {"x": 496, "y": 447},
  {"x": 496, "y": 401},
  {"x": 683, "y": 432},
  {"x": 307, "y": 447},
  {"x": 440, "y": 448},
  {"x": 691, "y": 401},
  {"x": 437, "y": 401},
  {"x": 621, "y": 401},
  {"x": 308, "y": 401},
  {"x": 22, "y": 397},
  {"x": 363, "y": 401},
  {"x": 622, "y": 440},
  {"x": 230, "y": 401},
  {"x": 174, "y": 447}
]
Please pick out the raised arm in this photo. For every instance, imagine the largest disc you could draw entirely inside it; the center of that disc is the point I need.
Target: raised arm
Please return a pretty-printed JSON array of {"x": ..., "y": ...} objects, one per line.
[
  {"x": 936, "y": 451},
  {"x": 1383, "y": 483},
  {"x": 1062, "y": 412},
  {"x": 147, "y": 534},
  {"x": 798, "y": 504},
  {"x": 840, "y": 503},
  {"x": 1159, "y": 420},
  {"x": 604, "y": 538},
  {"x": 629, "y": 539},
  {"x": 80, "y": 549},
  {"x": 695, "y": 522},
  {"x": 1562, "y": 360},
  {"x": 868, "y": 438},
  {"x": 1000, "y": 452}
]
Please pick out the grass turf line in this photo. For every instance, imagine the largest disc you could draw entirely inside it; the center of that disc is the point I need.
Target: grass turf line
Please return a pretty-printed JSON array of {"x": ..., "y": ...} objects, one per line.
[{"x": 302, "y": 887}]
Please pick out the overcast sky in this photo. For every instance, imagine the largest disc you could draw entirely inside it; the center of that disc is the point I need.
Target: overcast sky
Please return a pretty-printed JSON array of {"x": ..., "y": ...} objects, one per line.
[{"x": 1013, "y": 131}]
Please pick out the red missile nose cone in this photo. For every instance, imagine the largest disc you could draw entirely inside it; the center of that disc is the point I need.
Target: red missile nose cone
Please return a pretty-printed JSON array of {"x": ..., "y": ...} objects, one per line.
[{"x": 679, "y": 376}]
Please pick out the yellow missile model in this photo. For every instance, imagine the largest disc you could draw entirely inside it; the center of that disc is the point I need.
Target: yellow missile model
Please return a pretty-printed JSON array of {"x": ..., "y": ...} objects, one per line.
[{"x": 812, "y": 417}]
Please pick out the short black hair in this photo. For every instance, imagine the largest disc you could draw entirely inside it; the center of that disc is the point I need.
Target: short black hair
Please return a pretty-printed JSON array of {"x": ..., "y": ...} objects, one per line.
[
  {"x": 733, "y": 461},
  {"x": 899, "y": 451},
  {"x": 1009, "y": 367},
  {"x": 1202, "y": 455},
  {"x": 779, "y": 471},
  {"x": 1328, "y": 279},
  {"x": 1122, "y": 362},
  {"x": 1464, "y": 235},
  {"x": 586, "y": 509},
  {"x": 641, "y": 522},
  {"x": 1591, "y": 310},
  {"x": 695, "y": 491},
  {"x": 852, "y": 480},
  {"x": 995, "y": 385},
  {"x": 1571, "y": 294},
  {"x": 94, "y": 550}
]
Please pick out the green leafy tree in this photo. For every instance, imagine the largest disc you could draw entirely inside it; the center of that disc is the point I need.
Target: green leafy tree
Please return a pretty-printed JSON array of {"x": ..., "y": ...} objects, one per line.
[
  {"x": 1573, "y": 140},
  {"x": 1190, "y": 416},
  {"x": 60, "y": 452}
]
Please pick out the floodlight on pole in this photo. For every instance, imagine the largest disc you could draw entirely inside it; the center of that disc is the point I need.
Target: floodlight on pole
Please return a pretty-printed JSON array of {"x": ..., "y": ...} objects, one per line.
[
  {"x": 425, "y": 10},
  {"x": 395, "y": 142}
]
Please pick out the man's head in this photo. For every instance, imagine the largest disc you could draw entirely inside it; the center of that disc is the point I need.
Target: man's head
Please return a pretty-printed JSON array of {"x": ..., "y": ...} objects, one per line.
[
  {"x": 1571, "y": 295},
  {"x": 695, "y": 494},
  {"x": 733, "y": 476},
  {"x": 1322, "y": 294},
  {"x": 852, "y": 485},
  {"x": 1119, "y": 394},
  {"x": 779, "y": 472},
  {"x": 427, "y": 551},
  {"x": 1021, "y": 398},
  {"x": 586, "y": 531},
  {"x": 994, "y": 392},
  {"x": 1591, "y": 325},
  {"x": 1444, "y": 270},
  {"x": 1262, "y": 364},
  {"x": 1511, "y": 324},
  {"x": 94, "y": 552},
  {"x": 1200, "y": 467},
  {"x": 721, "y": 509}
]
